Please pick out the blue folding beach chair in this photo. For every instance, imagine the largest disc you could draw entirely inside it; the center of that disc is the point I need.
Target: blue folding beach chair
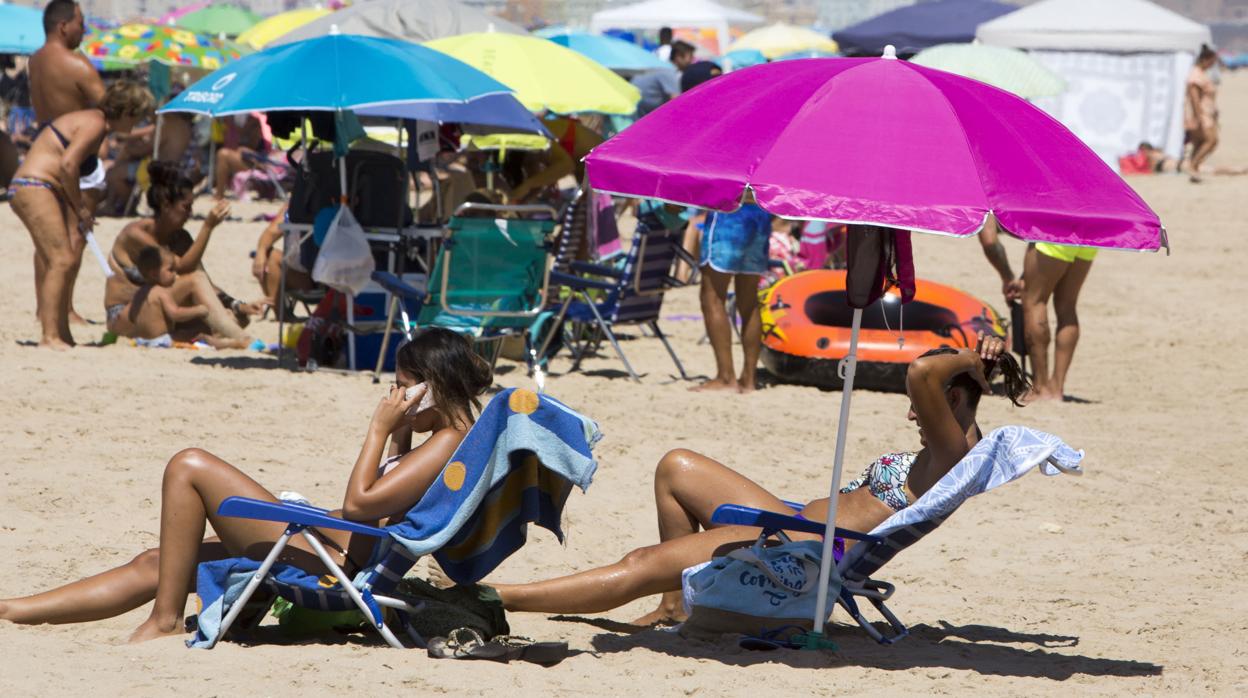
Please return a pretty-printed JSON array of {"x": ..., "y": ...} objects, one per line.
[
  {"x": 516, "y": 465},
  {"x": 1002, "y": 456},
  {"x": 633, "y": 297}
]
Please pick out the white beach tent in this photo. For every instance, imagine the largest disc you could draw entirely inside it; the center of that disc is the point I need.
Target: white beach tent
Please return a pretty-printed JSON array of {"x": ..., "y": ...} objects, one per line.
[
  {"x": 1125, "y": 63},
  {"x": 677, "y": 14}
]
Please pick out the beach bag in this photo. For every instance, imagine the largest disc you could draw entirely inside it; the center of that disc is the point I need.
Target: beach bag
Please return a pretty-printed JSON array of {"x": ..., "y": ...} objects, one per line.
[
  {"x": 345, "y": 261},
  {"x": 759, "y": 591}
]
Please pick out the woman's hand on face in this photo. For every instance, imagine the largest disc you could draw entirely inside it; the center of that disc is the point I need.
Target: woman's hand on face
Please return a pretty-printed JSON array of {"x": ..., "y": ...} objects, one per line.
[
  {"x": 393, "y": 408},
  {"x": 220, "y": 211}
]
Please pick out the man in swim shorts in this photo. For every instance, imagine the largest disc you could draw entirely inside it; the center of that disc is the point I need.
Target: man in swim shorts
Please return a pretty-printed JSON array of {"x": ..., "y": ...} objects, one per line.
[
  {"x": 1058, "y": 271},
  {"x": 62, "y": 80}
]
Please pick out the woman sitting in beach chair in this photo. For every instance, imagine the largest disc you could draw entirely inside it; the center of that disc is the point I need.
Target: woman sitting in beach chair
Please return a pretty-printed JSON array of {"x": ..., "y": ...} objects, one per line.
[
  {"x": 438, "y": 363},
  {"x": 945, "y": 386}
]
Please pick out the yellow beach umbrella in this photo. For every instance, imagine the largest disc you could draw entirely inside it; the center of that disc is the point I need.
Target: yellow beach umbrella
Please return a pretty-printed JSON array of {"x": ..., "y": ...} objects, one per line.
[
  {"x": 270, "y": 28},
  {"x": 543, "y": 74},
  {"x": 782, "y": 39}
]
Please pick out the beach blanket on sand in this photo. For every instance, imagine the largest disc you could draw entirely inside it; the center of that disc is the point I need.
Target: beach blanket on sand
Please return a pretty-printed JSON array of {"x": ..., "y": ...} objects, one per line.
[{"x": 517, "y": 465}]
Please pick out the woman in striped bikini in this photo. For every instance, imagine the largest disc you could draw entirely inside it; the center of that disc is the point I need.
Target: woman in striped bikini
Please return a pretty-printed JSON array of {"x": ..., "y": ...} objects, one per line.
[{"x": 47, "y": 199}]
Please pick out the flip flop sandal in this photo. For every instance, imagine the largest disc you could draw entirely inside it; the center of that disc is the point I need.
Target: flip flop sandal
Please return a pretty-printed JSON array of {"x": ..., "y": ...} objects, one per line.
[
  {"x": 529, "y": 650},
  {"x": 467, "y": 643}
]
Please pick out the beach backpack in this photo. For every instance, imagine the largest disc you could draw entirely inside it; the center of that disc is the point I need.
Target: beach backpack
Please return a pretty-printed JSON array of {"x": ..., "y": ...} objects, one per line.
[{"x": 761, "y": 591}]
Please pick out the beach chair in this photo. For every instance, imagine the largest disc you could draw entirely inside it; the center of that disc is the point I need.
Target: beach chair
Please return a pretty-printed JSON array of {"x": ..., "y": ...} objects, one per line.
[
  {"x": 490, "y": 280},
  {"x": 634, "y": 296},
  {"x": 517, "y": 465},
  {"x": 1002, "y": 456}
]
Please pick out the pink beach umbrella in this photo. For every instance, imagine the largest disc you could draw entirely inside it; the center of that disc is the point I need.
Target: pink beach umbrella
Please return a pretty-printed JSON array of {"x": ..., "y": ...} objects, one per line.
[{"x": 874, "y": 141}]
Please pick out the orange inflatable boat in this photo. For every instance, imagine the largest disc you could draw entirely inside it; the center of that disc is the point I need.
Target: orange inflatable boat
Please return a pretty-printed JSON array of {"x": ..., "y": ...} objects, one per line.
[{"x": 806, "y": 328}]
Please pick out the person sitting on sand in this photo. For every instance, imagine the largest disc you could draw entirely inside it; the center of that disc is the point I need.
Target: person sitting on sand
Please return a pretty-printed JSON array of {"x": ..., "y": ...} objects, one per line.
[
  {"x": 945, "y": 386},
  {"x": 196, "y": 482},
  {"x": 47, "y": 199},
  {"x": 170, "y": 196},
  {"x": 246, "y": 142},
  {"x": 152, "y": 314}
]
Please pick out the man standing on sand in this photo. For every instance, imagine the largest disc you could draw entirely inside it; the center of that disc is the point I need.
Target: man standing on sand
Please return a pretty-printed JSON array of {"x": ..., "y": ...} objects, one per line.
[{"x": 62, "y": 80}]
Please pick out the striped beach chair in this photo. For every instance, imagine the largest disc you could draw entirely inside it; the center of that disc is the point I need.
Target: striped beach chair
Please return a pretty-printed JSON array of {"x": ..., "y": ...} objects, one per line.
[
  {"x": 633, "y": 296},
  {"x": 1002, "y": 456},
  {"x": 517, "y": 465}
]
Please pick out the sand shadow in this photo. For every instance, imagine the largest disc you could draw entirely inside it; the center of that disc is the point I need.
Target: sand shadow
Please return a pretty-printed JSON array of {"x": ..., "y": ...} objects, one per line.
[
  {"x": 1076, "y": 400},
  {"x": 242, "y": 362},
  {"x": 611, "y": 374},
  {"x": 977, "y": 648}
]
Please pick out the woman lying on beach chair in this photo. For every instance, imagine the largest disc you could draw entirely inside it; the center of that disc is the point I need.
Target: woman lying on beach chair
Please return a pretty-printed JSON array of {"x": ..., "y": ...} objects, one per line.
[
  {"x": 945, "y": 386},
  {"x": 196, "y": 482}
]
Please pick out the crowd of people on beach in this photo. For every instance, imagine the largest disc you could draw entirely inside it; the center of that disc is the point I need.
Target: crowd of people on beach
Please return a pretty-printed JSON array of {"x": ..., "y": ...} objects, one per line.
[{"x": 91, "y": 149}]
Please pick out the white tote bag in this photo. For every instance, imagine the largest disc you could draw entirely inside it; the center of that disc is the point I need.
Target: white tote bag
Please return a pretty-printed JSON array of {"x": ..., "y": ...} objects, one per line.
[{"x": 345, "y": 261}]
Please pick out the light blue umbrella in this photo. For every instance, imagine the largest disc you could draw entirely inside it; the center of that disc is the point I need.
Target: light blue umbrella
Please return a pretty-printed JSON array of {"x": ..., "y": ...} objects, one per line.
[
  {"x": 21, "y": 29},
  {"x": 616, "y": 54},
  {"x": 333, "y": 73},
  {"x": 742, "y": 58}
]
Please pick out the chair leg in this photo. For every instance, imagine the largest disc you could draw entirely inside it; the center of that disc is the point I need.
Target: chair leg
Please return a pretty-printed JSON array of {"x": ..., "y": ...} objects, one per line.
[
  {"x": 606, "y": 329},
  {"x": 654, "y": 325},
  {"x": 554, "y": 326},
  {"x": 385, "y": 338},
  {"x": 373, "y": 614},
  {"x": 253, "y": 584}
]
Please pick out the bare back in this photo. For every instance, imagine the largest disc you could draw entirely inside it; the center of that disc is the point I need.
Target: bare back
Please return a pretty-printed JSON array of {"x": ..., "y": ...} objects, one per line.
[{"x": 62, "y": 81}]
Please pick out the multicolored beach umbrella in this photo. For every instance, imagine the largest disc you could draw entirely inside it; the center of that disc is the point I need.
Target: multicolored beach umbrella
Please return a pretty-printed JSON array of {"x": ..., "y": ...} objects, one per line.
[{"x": 133, "y": 44}]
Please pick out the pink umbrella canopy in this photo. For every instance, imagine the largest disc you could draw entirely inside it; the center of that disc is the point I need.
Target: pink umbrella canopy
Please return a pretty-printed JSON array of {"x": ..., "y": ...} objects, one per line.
[{"x": 876, "y": 141}]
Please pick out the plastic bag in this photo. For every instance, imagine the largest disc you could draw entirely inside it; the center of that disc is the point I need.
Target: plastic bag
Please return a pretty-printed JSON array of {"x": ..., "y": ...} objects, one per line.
[{"x": 345, "y": 261}]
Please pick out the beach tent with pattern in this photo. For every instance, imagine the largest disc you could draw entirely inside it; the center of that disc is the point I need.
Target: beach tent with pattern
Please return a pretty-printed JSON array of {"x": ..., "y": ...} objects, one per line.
[{"x": 1125, "y": 63}]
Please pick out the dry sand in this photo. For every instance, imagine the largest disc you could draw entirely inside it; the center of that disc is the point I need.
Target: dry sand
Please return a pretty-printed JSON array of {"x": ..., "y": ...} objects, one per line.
[{"x": 1124, "y": 581}]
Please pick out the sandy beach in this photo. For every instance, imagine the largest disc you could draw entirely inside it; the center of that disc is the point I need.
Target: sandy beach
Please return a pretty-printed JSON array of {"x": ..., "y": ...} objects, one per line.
[{"x": 1125, "y": 581}]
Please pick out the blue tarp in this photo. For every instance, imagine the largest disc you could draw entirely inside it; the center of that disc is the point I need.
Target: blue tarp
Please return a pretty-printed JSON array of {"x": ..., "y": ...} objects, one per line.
[{"x": 916, "y": 27}]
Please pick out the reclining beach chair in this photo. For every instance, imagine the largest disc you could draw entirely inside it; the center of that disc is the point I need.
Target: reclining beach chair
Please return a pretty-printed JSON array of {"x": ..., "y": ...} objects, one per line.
[
  {"x": 490, "y": 280},
  {"x": 516, "y": 465},
  {"x": 1002, "y": 456},
  {"x": 633, "y": 297}
]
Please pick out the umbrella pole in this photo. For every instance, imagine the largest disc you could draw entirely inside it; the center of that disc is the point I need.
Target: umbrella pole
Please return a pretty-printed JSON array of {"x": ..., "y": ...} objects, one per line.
[
  {"x": 342, "y": 182},
  {"x": 829, "y": 532},
  {"x": 156, "y": 140}
]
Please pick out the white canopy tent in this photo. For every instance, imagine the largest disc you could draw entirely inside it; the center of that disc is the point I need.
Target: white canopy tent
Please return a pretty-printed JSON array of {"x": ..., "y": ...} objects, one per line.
[
  {"x": 1125, "y": 63},
  {"x": 677, "y": 14}
]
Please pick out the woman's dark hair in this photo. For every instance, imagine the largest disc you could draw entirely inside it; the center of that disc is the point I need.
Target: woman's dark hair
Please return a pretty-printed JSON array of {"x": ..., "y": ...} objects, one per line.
[
  {"x": 1206, "y": 53},
  {"x": 1016, "y": 383},
  {"x": 169, "y": 184},
  {"x": 444, "y": 360}
]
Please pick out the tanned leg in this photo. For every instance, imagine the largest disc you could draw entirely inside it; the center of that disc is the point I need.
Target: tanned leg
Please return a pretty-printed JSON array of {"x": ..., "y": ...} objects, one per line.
[
  {"x": 1041, "y": 274},
  {"x": 718, "y": 328},
  {"x": 1065, "y": 296},
  {"x": 688, "y": 487},
  {"x": 41, "y": 211},
  {"x": 751, "y": 330}
]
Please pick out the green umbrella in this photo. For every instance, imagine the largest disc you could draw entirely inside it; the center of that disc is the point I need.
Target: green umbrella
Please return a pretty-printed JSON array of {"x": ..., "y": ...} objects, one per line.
[
  {"x": 215, "y": 20},
  {"x": 1007, "y": 68},
  {"x": 133, "y": 44}
]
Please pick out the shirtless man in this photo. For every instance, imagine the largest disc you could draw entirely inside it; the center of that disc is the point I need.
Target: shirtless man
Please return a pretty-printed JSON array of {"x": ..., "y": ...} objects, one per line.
[{"x": 62, "y": 80}]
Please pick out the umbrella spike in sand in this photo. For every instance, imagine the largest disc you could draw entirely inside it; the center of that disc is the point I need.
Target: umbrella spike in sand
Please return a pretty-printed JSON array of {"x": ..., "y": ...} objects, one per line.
[{"x": 875, "y": 141}]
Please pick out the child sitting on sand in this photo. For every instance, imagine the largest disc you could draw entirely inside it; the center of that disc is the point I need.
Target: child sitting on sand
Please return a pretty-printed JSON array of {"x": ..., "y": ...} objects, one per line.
[{"x": 152, "y": 314}]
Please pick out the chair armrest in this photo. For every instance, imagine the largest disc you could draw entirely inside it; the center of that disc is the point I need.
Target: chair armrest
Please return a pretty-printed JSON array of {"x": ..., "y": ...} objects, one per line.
[
  {"x": 286, "y": 512},
  {"x": 558, "y": 278},
  {"x": 397, "y": 286},
  {"x": 737, "y": 515},
  {"x": 596, "y": 269}
]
